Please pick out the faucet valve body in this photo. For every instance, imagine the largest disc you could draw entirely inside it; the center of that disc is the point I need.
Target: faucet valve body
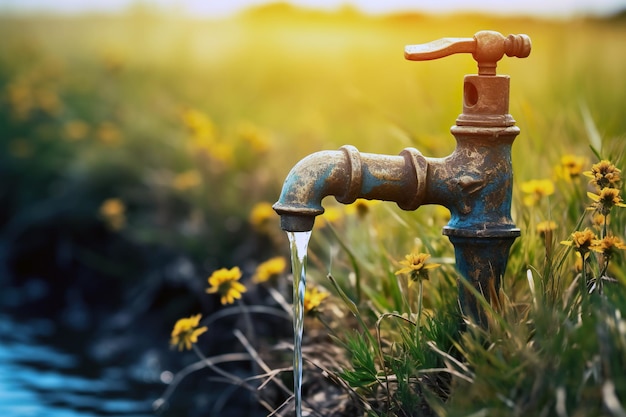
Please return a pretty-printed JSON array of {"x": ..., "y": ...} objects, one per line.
[{"x": 486, "y": 101}]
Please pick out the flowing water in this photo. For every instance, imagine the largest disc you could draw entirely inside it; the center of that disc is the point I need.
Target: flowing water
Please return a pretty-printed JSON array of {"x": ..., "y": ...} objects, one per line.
[{"x": 298, "y": 242}]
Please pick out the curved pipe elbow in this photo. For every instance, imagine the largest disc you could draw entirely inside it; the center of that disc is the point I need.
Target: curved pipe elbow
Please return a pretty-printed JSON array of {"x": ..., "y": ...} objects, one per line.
[{"x": 348, "y": 174}]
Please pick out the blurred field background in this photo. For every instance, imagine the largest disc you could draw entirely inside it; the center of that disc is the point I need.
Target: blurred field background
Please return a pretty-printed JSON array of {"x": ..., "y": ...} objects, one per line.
[{"x": 135, "y": 148}]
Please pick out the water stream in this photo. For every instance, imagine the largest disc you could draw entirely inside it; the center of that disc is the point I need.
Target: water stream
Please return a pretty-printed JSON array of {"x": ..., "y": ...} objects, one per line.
[{"x": 298, "y": 242}]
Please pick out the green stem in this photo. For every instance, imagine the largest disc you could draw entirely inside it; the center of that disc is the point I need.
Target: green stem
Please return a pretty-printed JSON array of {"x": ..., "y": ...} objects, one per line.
[
  {"x": 353, "y": 262},
  {"x": 583, "y": 285},
  {"x": 419, "y": 312}
]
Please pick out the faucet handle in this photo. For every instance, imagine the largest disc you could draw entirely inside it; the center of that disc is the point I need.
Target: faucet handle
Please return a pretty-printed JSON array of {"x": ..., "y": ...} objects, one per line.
[{"x": 487, "y": 47}]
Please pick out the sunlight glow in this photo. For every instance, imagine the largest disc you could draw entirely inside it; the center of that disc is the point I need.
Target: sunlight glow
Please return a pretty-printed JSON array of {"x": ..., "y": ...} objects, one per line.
[{"x": 220, "y": 8}]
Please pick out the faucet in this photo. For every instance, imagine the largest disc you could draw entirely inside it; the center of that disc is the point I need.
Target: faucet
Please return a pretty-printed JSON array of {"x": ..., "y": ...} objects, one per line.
[{"x": 474, "y": 182}]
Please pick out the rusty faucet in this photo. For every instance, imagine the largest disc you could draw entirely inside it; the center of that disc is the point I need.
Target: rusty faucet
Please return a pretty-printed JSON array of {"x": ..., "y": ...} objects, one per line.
[{"x": 474, "y": 182}]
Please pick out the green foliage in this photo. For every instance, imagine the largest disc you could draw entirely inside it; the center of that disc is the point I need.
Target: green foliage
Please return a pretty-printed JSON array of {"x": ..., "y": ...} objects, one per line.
[{"x": 364, "y": 374}]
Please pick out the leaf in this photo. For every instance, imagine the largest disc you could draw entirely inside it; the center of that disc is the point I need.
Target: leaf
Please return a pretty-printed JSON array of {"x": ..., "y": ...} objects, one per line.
[{"x": 595, "y": 140}]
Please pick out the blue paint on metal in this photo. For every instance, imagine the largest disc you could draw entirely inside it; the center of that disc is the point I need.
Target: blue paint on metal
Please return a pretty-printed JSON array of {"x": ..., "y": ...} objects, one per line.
[
  {"x": 481, "y": 261},
  {"x": 370, "y": 182}
]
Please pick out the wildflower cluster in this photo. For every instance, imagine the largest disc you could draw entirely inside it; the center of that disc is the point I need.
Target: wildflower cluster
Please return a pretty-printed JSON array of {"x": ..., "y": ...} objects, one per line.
[
  {"x": 248, "y": 143},
  {"x": 204, "y": 139},
  {"x": 605, "y": 177},
  {"x": 226, "y": 283}
]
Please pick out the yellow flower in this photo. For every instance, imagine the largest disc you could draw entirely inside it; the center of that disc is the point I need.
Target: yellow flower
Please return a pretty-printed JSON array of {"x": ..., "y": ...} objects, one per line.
[
  {"x": 109, "y": 134},
  {"x": 581, "y": 241},
  {"x": 331, "y": 215},
  {"x": 269, "y": 269},
  {"x": 415, "y": 266},
  {"x": 578, "y": 263},
  {"x": 113, "y": 210},
  {"x": 604, "y": 174},
  {"x": 201, "y": 142},
  {"x": 442, "y": 213},
  {"x": 222, "y": 152},
  {"x": 261, "y": 215},
  {"x": 361, "y": 207},
  {"x": 600, "y": 220},
  {"x": 257, "y": 139},
  {"x": 186, "y": 332},
  {"x": 571, "y": 166},
  {"x": 608, "y": 245},
  {"x": 186, "y": 180},
  {"x": 204, "y": 138},
  {"x": 48, "y": 101},
  {"x": 75, "y": 130},
  {"x": 198, "y": 123},
  {"x": 21, "y": 99},
  {"x": 536, "y": 190},
  {"x": 226, "y": 283},
  {"x": 313, "y": 298},
  {"x": 546, "y": 227},
  {"x": 608, "y": 198}
]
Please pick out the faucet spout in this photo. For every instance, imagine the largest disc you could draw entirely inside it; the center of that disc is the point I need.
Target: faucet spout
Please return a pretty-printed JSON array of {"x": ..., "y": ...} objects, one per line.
[{"x": 347, "y": 175}]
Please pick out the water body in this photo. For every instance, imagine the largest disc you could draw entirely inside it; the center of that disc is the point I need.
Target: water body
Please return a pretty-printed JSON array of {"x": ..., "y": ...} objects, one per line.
[{"x": 38, "y": 379}]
